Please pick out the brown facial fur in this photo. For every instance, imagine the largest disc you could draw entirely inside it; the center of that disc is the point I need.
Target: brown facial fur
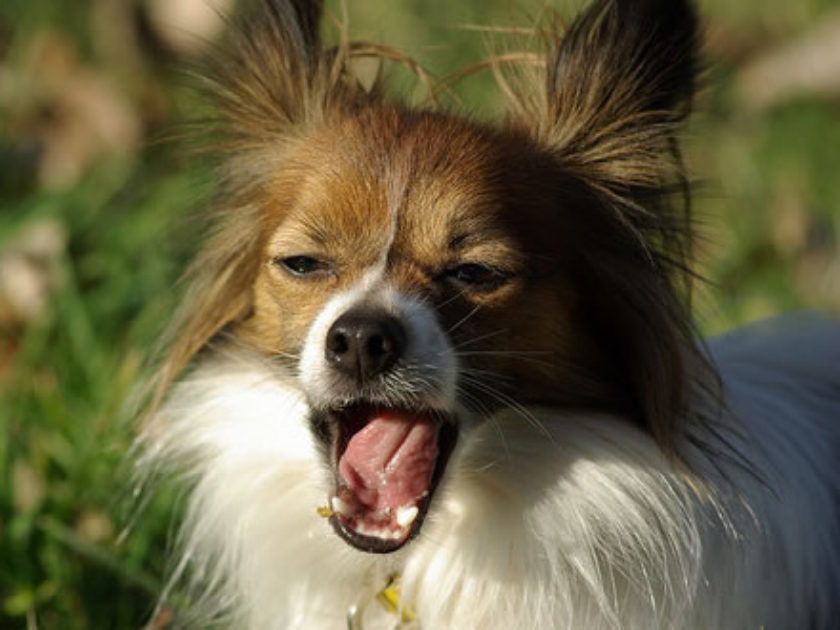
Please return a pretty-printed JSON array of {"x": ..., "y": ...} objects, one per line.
[
  {"x": 426, "y": 192},
  {"x": 580, "y": 198}
]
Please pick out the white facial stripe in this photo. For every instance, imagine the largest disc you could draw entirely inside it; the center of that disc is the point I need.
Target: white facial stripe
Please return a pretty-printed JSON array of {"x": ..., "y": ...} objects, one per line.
[
  {"x": 397, "y": 192},
  {"x": 425, "y": 375}
]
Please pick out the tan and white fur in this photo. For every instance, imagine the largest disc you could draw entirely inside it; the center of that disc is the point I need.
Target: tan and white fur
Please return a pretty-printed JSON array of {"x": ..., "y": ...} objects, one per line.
[{"x": 607, "y": 469}]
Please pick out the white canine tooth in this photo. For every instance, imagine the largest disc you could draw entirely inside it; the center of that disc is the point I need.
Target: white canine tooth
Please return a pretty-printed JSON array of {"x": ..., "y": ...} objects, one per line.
[
  {"x": 406, "y": 515},
  {"x": 340, "y": 507}
]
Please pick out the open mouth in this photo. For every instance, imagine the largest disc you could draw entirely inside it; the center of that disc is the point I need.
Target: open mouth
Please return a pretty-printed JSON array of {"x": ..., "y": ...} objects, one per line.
[{"x": 387, "y": 462}]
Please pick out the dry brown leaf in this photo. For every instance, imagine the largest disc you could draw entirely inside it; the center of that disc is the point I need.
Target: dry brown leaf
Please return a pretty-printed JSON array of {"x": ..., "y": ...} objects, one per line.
[
  {"x": 808, "y": 65},
  {"x": 187, "y": 26},
  {"x": 71, "y": 111},
  {"x": 94, "y": 526},
  {"x": 27, "y": 486},
  {"x": 28, "y": 271}
]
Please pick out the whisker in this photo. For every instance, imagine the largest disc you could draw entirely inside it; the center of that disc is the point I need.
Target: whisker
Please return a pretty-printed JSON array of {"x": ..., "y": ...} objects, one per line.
[
  {"x": 509, "y": 402},
  {"x": 488, "y": 374},
  {"x": 479, "y": 338},
  {"x": 451, "y": 299},
  {"x": 517, "y": 353},
  {"x": 476, "y": 405},
  {"x": 523, "y": 356},
  {"x": 461, "y": 321}
]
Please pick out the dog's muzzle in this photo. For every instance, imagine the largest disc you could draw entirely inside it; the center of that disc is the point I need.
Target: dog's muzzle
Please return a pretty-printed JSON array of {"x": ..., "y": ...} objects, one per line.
[{"x": 386, "y": 434}]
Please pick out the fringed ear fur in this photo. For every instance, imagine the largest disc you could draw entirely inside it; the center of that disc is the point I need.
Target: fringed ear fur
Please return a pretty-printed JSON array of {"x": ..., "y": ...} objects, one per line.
[
  {"x": 276, "y": 76},
  {"x": 618, "y": 86}
]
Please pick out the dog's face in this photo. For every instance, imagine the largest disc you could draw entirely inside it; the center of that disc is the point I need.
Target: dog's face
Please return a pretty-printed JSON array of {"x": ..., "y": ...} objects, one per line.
[
  {"x": 415, "y": 271},
  {"x": 413, "y": 265}
]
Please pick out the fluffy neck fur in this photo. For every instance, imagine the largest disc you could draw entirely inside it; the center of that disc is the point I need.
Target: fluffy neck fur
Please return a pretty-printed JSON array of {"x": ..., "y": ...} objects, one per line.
[
  {"x": 491, "y": 556},
  {"x": 558, "y": 520}
]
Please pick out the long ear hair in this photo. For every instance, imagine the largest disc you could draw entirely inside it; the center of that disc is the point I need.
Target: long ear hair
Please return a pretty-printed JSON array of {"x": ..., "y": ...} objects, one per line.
[
  {"x": 272, "y": 80},
  {"x": 618, "y": 86}
]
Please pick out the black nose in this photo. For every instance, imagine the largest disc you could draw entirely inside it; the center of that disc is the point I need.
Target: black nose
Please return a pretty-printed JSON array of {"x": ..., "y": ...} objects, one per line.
[{"x": 365, "y": 343}]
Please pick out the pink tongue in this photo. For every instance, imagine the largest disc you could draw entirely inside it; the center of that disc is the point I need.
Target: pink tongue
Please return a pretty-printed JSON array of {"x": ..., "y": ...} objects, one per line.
[{"x": 389, "y": 463}]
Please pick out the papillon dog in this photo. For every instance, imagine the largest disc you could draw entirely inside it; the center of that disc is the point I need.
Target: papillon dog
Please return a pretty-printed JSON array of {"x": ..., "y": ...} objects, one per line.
[{"x": 437, "y": 373}]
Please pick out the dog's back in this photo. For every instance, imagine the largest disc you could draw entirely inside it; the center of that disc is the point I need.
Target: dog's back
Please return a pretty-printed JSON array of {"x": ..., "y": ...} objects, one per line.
[{"x": 782, "y": 384}]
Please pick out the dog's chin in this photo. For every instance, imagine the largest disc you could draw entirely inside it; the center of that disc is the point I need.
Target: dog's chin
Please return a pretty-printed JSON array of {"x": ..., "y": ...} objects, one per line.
[{"x": 386, "y": 465}]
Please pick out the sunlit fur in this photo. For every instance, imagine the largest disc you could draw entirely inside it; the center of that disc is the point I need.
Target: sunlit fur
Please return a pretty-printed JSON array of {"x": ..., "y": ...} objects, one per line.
[{"x": 611, "y": 471}]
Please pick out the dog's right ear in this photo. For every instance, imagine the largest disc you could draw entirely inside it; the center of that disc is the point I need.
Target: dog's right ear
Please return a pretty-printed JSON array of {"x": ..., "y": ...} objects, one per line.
[
  {"x": 308, "y": 14},
  {"x": 275, "y": 75}
]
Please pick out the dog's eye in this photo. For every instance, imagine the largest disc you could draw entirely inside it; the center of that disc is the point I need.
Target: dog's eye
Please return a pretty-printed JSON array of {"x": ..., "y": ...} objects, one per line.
[
  {"x": 303, "y": 265},
  {"x": 476, "y": 275}
]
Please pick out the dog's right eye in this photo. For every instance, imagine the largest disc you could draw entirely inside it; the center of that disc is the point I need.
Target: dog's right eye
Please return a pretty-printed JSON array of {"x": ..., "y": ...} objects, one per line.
[{"x": 303, "y": 265}]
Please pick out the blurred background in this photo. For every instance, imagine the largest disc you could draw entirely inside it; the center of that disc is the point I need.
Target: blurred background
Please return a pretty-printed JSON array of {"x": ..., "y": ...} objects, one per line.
[{"x": 97, "y": 219}]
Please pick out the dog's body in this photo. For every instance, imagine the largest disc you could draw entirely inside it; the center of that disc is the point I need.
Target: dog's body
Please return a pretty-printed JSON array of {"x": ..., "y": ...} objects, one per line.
[
  {"x": 586, "y": 527},
  {"x": 466, "y": 342}
]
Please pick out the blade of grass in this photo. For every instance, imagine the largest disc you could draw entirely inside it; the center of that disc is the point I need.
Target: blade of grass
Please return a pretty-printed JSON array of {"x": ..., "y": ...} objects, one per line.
[{"x": 100, "y": 556}]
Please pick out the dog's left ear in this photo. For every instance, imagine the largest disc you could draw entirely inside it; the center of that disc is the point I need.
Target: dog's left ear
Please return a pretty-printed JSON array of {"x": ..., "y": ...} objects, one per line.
[{"x": 619, "y": 85}]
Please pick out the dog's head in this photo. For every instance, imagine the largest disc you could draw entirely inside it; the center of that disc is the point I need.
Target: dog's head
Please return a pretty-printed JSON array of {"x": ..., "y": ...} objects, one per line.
[{"x": 415, "y": 270}]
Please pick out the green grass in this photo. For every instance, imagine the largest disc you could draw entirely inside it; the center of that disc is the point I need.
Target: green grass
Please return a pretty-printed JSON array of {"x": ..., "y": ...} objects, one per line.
[
  {"x": 62, "y": 411},
  {"x": 65, "y": 485}
]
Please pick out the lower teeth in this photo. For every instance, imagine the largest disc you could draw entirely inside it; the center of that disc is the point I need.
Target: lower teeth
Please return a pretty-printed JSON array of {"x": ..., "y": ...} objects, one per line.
[
  {"x": 406, "y": 515},
  {"x": 378, "y": 533},
  {"x": 340, "y": 507}
]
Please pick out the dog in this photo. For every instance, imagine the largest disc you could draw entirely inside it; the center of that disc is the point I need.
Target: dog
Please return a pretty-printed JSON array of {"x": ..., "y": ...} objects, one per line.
[{"x": 437, "y": 373}]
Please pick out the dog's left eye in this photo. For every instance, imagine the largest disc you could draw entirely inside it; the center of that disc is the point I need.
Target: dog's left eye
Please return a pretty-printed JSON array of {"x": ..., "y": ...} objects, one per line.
[{"x": 477, "y": 275}]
